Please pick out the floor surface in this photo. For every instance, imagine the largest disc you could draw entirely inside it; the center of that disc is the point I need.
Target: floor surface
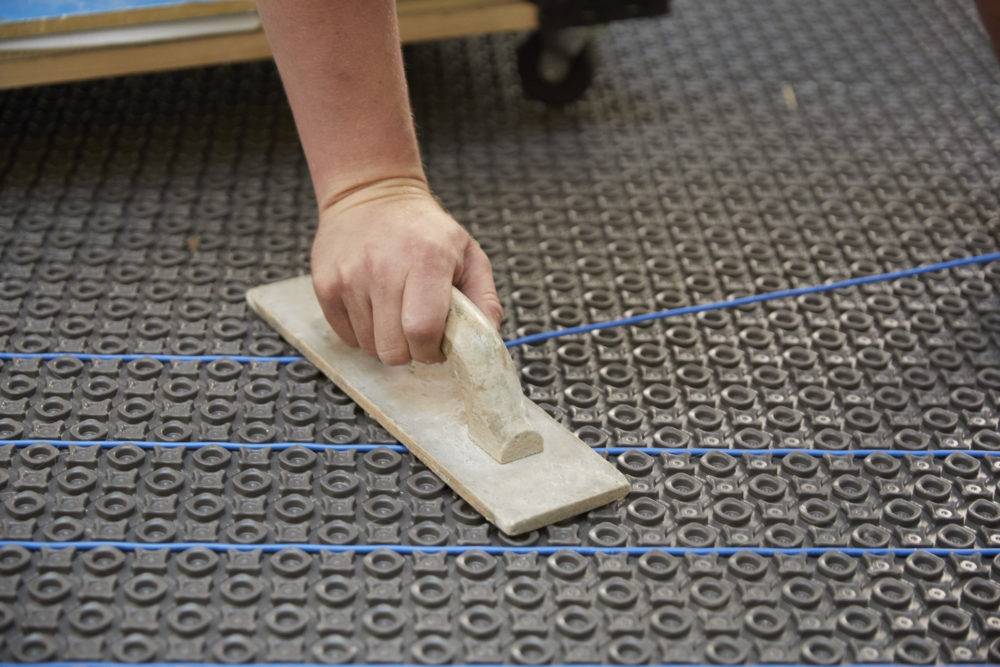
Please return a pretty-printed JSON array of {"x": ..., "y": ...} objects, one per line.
[{"x": 816, "y": 478}]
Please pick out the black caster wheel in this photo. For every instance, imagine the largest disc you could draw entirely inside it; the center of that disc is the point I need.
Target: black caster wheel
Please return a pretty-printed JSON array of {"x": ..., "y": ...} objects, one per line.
[{"x": 556, "y": 68}]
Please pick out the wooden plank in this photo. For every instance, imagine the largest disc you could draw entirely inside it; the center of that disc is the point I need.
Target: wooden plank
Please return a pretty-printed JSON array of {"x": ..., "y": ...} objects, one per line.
[
  {"x": 420, "y": 20},
  {"x": 63, "y": 66},
  {"x": 425, "y": 21}
]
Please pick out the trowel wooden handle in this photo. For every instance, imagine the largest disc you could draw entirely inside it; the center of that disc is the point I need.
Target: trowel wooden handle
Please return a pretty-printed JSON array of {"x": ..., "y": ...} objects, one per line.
[{"x": 494, "y": 403}]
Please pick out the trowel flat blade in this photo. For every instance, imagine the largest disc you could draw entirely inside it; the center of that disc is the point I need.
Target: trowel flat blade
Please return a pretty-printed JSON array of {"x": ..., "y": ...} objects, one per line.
[{"x": 420, "y": 405}]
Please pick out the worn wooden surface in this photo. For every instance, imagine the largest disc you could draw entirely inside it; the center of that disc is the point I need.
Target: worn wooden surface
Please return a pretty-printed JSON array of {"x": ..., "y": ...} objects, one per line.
[
  {"x": 419, "y": 20},
  {"x": 422, "y": 406},
  {"x": 495, "y": 408}
]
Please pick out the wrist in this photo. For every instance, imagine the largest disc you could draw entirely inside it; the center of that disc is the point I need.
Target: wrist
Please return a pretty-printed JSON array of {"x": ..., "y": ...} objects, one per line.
[{"x": 342, "y": 196}]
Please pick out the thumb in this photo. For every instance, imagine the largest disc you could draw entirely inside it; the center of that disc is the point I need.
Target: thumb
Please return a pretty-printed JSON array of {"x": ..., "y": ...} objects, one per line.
[{"x": 476, "y": 282}]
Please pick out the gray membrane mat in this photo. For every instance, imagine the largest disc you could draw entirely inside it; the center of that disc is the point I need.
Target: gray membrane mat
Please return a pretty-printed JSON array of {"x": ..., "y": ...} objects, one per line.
[
  {"x": 730, "y": 149},
  {"x": 135, "y": 212},
  {"x": 527, "y": 608},
  {"x": 906, "y": 365},
  {"x": 299, "y": 495}
]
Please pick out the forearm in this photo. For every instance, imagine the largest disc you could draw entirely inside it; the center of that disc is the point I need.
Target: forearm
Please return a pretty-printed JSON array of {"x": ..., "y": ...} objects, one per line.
[{"x": 342, "y": 67}]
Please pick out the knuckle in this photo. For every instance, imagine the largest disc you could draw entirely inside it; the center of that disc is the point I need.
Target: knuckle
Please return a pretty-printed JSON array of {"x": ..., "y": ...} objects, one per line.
[
  {"x": 368, "y": 264},
  {"x": 439, "y": 255},
  {"x": 456, "y": 234},
  {"x": 421, "y": 330},
  {"x": 485, "y": 258},
  {"x": 329, "y": 288},
  {"x": 427, "y": 253}
]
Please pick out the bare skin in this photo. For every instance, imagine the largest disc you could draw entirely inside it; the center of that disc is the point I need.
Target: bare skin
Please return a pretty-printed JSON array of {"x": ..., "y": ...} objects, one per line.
[{"x": 385, "y": 253}]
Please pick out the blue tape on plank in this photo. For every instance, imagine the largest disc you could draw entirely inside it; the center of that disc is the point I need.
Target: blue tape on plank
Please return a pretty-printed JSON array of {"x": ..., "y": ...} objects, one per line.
[{"x": 36, "y": 10}]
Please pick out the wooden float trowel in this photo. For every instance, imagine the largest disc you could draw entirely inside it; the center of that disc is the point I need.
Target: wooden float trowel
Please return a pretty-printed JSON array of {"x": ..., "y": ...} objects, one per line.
[{"x": 466, "y": 419}]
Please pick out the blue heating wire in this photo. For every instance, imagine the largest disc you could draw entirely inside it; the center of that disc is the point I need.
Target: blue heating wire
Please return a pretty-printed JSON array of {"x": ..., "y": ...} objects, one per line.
[
  {"x": 545, "y": 550},
  {"x": 755, "y": 298},
  {"x": 569, "y": 331},
  {"x": 94, "y": 356},
  {"x": 396, "y": 447}
]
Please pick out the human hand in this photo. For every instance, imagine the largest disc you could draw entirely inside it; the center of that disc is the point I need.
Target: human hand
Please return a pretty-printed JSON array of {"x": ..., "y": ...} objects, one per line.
[{"x": 384, "y": 259}]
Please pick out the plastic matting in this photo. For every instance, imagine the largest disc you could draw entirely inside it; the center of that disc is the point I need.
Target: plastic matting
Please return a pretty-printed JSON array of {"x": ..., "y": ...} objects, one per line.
[{"x": 815, "y": 477}]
